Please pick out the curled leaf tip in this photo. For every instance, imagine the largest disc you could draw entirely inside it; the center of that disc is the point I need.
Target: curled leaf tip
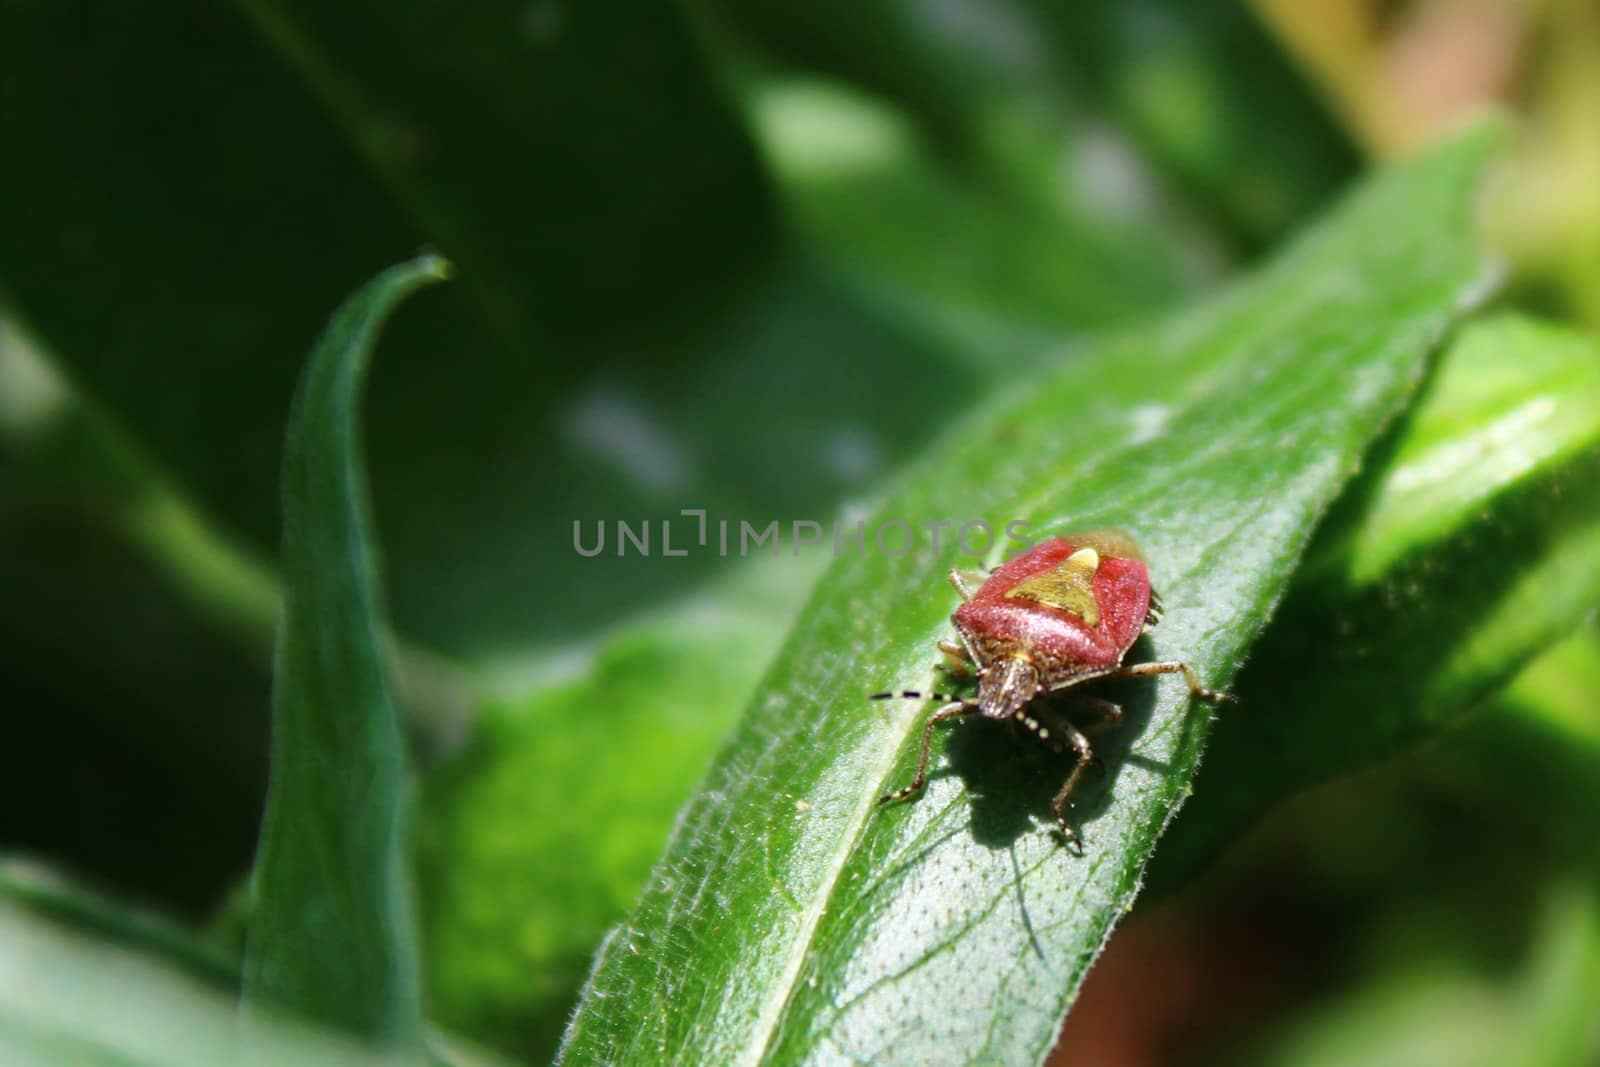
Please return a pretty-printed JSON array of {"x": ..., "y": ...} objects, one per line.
[{"x": 436, "y": 266}]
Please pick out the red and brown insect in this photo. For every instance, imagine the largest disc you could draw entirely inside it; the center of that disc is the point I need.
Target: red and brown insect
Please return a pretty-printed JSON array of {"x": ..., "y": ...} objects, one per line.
[{"x": 1062, "y": 614}]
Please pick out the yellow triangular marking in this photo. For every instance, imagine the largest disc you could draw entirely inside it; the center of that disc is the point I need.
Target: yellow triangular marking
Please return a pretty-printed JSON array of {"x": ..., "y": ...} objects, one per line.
[{"x": 1069, "y": 586}]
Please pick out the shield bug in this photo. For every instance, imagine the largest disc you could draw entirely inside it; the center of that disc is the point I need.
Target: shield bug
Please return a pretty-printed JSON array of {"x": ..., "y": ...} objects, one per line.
[{"x": 1062, "y": 614}]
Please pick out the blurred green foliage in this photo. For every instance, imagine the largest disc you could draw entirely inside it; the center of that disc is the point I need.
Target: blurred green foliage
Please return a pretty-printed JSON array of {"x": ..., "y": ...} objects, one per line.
[{"x": 754, "y": 258}]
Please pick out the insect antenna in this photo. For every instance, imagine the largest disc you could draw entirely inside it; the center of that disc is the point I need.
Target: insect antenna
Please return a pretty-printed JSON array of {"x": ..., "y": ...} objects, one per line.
[{"x": 912, "y": 694}]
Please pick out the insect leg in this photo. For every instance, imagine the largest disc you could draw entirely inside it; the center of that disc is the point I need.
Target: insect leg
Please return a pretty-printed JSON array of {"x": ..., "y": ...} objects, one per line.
[
  {"x": 1153, "y": 613},
  {"x": 1052, "y": 725},
  {"x": 949, "y": 711},
  {"x": 961, "y": 579},
  {"x": 1058, "y": 806},
  {"x": 970, "y": 649},
  {"x": 1109, "y": 713},
  {"x": 957, "y": 660},
  {"x": 1147, "y": 670}
]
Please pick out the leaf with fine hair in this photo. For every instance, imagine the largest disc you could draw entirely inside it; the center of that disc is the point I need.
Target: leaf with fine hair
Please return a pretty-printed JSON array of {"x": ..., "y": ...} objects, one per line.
[
  {"x": 792, "y": 920},
  {"x": 1480, "y": 490},
  {"x": 1471, "y": 545}
]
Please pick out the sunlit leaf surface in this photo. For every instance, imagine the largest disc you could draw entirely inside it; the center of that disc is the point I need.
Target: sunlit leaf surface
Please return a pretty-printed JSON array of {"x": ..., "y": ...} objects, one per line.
[{"x": 794, "y": 920}]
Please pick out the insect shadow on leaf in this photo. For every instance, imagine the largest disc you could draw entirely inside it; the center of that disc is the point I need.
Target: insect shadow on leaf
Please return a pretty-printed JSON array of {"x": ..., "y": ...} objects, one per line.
[
  {"x": 1012, "y": 779},
  {"x": 1033, "y": 633}
]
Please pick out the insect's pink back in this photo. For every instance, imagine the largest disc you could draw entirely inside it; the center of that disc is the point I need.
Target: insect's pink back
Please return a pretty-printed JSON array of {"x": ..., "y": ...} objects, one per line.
[{"x": 1056, "y": 603}]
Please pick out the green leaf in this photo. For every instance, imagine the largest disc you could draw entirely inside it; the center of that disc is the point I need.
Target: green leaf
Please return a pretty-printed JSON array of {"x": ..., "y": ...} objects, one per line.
[
  {"x": 1559, "y": 1025},
  {"x": 1473, "y": 545},
  {"x": 514, "y": 905},
  {"x": 1183, "y": 107},
  {"x": 1430, "y": 1014},
  {"x": 1211, "y": 99},
  {"x": 331, "y": 927},
  {"x": 1537, "y": 746},
  {"x": 46, "y": 893},
  {"x": 792, "y": 919},
  {"x": 869, "y": 193},
  {"x": 1507, "y": 408},
  {"x": 1422, "y": 1004},
  {"x": 70, "y": 995}
]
